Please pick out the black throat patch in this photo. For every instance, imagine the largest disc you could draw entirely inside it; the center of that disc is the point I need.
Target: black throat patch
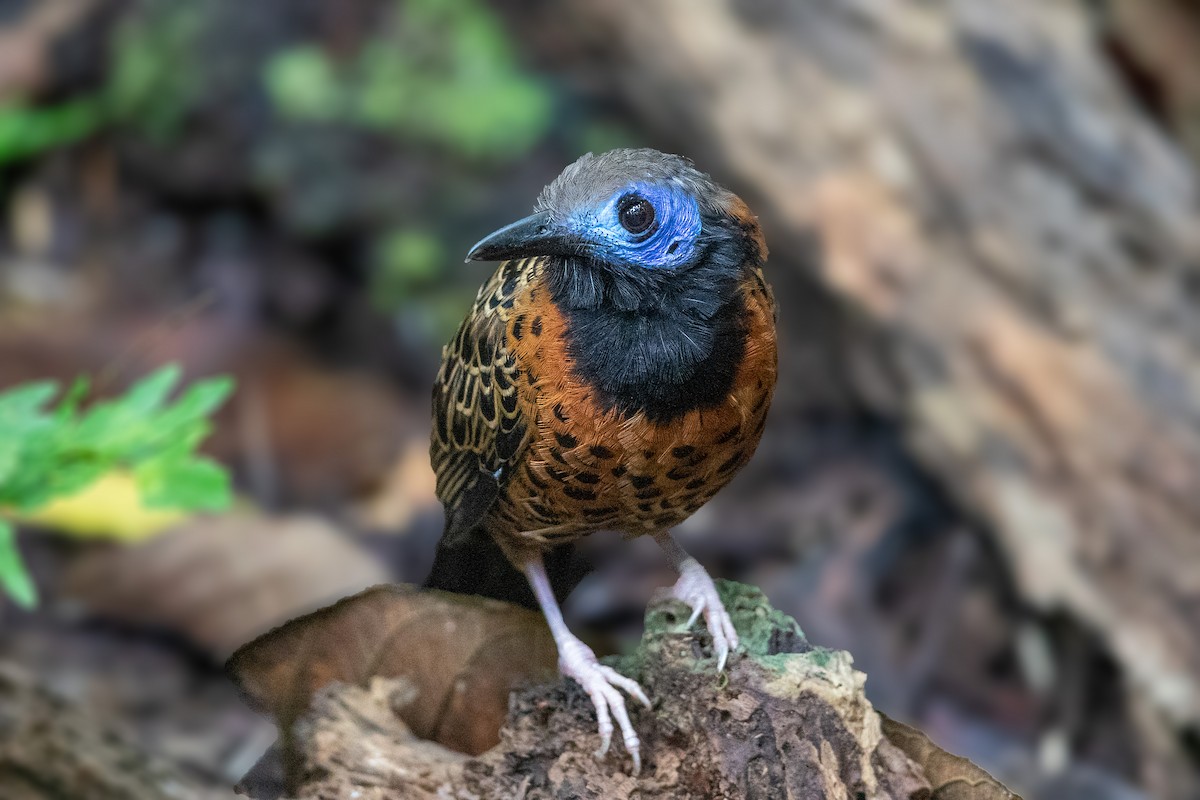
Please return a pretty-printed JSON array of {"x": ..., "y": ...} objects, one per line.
[{"x": 660, "y": 342}]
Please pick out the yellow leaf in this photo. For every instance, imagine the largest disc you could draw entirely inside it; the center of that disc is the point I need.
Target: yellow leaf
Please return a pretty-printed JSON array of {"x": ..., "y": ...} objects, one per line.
[{"x": 110, "y": 508}]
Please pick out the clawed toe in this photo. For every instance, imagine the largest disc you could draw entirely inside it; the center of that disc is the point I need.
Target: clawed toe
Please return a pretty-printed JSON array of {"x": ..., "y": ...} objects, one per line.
[
  {"x": 697, "y": 589},
  {"x": 601, "y": 683}
]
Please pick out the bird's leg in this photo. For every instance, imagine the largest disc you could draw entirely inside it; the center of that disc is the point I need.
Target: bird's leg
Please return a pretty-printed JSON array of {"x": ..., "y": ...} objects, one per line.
[
  {"x": 696, "y": 588},
  {"x": 576, "y": 660}
]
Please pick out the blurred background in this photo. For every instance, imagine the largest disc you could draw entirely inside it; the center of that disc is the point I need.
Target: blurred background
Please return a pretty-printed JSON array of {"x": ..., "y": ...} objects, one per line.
[{"x": 982, "y": 470}]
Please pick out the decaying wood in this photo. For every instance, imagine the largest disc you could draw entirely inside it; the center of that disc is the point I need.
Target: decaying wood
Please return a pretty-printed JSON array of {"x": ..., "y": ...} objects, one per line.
[
  {"x": 49, "y": 749},
  {"x": 1017, "y": 243},
  {"x": 787, "y": 720}
]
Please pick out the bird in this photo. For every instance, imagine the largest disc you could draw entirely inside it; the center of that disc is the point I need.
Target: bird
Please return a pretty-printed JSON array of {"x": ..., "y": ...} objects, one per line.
[{"x": 613, "y": 374}]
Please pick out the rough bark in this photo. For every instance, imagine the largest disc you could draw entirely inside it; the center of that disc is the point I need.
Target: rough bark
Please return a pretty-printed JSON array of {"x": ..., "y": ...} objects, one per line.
[
  {"x": 1012, "y": 255},
  {"x": 788, "y": 720}
]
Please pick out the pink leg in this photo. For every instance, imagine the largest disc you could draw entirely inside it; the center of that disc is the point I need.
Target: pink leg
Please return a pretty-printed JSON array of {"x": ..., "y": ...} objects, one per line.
[
  {"x": 576, "y": 660},
  {"x": 696, "y": 588}
]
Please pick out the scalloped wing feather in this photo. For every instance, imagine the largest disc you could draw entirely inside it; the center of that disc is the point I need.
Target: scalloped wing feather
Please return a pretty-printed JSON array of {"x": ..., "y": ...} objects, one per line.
[{"x": 479, "y": 428}]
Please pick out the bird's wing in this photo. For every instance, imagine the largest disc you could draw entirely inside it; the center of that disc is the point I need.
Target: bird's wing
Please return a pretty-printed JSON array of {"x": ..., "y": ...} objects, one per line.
[{"x": 479, "y": 431}]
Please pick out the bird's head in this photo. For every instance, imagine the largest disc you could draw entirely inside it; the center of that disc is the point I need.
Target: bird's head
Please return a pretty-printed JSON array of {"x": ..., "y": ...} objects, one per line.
[{"x": 631, "y": 210}]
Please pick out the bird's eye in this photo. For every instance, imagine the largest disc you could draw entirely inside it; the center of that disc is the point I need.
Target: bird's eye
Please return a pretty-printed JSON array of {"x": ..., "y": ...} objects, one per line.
[{"x": 635, "y": 213}]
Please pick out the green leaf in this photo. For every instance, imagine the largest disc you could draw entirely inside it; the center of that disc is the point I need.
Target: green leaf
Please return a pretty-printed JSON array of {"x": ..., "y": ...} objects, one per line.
[
  {"x": 68, "y": 407},
  {"x": 198, "y": 483},
  {"x": 21, "y": 419},
  {"x": 123, "y": 428},
  {"x": 24, "y": 401},
  {"x": 26, "y": 131},
  {"x": 203, "y": 398},
  {"x": 14, "y": 578},
  {"x": 148, "y": 395}
]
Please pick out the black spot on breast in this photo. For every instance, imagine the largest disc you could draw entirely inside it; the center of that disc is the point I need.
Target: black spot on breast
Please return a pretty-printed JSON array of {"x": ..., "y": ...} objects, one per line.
[
  {"x": 536, "y": 327},
  {"x": 600, "y": 451},
  {"x": 733, "y": 461},
  {"x": 619, "y": 470},
  {"x": 560, "y": 412},
  {"x": 695, "y": 484},
  {"x": 576, "y": 493},
  {"x": 556, "y": 473},
  {"x": 557, "y": 456},
  {"x": 645, "y": 508},
  {"x": 587, "y": 477},
  {"x": 605, "y": 511},
  {"x": 533, "y": 478},
  {"x": 641, "y": 481},
  {"x": 683, "y": 451},
  {"x": 518, "y": 327},
  {"x": 649, "y": 494},
  {"x": 678, "y": 473},
  {"x": 727, "y": 436},
  {"x": 566, "y": 440}
]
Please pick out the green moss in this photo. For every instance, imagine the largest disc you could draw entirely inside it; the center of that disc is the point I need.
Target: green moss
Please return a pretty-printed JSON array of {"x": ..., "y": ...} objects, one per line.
[
  {"x": 758, "y": 623},
  {"x": 764, "y": 631}
]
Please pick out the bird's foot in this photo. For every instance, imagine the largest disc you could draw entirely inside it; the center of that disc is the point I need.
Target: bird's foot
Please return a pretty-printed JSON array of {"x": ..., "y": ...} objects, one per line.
[
  {"x": 697, "y": 589},
  {"x": 576, "y": 660}
]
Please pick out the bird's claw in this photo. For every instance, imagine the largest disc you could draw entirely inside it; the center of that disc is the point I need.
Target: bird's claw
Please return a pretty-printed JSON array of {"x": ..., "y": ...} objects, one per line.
[
  {"x": 697, "y": 589},
  {"x": 577, "y": 661}
]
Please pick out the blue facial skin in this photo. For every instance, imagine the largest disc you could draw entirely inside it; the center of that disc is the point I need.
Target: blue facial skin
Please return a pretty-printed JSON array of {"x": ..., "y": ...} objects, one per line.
[{"x": 668, "y": 243}]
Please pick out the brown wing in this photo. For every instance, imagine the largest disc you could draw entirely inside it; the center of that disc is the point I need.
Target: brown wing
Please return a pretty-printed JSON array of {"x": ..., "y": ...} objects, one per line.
[{"x": 479, "y": 430}]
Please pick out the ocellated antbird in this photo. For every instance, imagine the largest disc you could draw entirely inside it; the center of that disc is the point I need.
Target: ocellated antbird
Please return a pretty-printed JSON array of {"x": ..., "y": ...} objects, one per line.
[{"x": 613, "y": 374}]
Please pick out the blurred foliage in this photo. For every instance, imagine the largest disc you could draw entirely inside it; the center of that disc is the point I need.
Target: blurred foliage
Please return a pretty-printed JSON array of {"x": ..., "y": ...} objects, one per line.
[
  {"x": 157, "y": 74},
  {"x": 48, "y": 453},
  {"x": 443, "y": 73},
  {"x": 389, "y": 128},
  {"x": 407, "y": 260},
  {"x": 150, "y": 86},
  {"x": 26, "y": 132}
]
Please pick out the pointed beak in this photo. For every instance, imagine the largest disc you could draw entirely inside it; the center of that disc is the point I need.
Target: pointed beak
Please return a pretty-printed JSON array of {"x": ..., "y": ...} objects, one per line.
[{"x": 536, "y": 235}]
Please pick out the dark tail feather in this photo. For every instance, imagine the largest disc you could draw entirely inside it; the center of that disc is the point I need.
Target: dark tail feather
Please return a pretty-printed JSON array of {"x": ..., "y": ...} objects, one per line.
[{"x": 474, "y": 564}]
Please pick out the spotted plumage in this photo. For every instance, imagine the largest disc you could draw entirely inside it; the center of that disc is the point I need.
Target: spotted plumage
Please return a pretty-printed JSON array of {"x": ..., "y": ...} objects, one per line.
[{"x": 614, "y": 373}]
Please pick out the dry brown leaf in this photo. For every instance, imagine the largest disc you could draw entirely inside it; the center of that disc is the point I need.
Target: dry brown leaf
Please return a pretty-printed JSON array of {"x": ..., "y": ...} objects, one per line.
[
  {"x": 461, "y": 655},
  {"x": 952, "y": 777},
  {"x": 221, "y": 581},
  {"x": 406, "y": 491}
]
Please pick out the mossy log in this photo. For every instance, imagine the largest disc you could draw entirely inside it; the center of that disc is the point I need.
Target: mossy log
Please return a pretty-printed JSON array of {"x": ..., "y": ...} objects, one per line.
[{"x": 787, "y": 720}]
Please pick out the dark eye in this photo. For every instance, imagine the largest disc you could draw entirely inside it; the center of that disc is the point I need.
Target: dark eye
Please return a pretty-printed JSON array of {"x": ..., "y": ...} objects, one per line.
[{"x": 635, "y": 213}]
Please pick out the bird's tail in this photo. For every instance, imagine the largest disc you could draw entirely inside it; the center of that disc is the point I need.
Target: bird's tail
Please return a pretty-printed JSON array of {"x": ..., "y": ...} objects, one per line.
[{"x": 474, "y": 564}]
